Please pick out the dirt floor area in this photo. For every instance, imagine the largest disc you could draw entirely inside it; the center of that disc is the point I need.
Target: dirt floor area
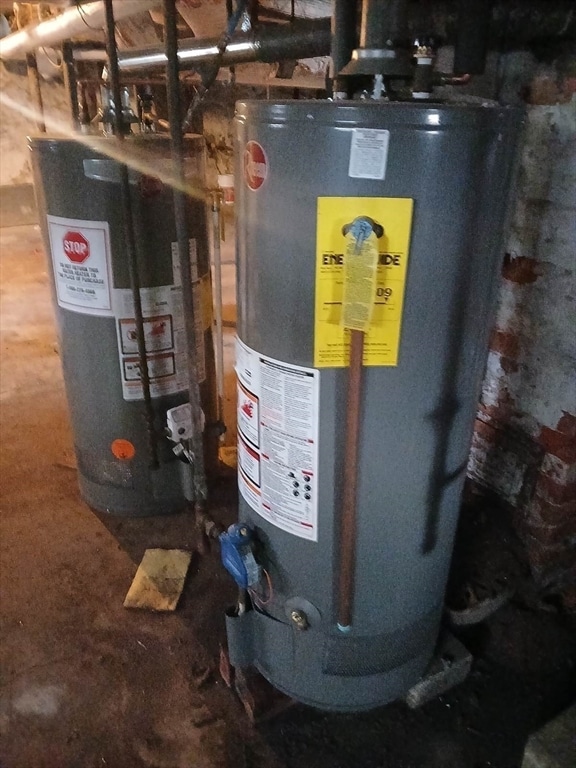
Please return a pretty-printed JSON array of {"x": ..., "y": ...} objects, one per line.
[{"x": 86, "y": 683}]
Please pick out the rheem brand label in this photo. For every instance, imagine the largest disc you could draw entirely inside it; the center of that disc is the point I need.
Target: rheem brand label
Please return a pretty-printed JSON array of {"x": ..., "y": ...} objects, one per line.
[
  {"x": 80, "y": 253},
  {"x": 255, "y": 165}
]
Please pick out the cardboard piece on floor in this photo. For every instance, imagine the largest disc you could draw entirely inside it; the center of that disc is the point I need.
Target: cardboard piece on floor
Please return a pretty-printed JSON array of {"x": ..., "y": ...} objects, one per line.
[
  {"x": 227, "y": 455},
  {"x": 159, "y": 580}
]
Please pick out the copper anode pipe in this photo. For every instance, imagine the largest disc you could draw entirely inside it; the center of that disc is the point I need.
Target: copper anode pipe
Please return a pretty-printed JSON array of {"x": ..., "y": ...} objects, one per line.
[{"x": 346, "y": 576}]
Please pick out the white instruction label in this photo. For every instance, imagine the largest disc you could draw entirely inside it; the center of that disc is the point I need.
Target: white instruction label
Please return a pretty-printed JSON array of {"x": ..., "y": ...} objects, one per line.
[
  {"x": 165, "y": 340},
  {"x": 278, "y": 440},
  {"x": 81, "y": 259},
  {"x": 368, "y": 153}
]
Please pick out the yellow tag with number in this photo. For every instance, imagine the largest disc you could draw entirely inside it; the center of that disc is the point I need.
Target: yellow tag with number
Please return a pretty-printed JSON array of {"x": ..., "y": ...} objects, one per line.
[{"x": 335, "y": 311}]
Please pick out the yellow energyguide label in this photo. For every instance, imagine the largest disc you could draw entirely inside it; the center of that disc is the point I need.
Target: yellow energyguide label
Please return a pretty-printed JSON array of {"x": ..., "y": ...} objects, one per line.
[{"x": 383, "y": 324}]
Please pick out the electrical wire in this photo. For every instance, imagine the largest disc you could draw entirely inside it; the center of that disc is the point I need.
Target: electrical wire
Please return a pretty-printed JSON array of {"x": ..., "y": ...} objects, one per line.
[
  {"x": 55, "y": 64},
  {"x": 83, "y": 16},
  {"x": 256, "y": 597}
]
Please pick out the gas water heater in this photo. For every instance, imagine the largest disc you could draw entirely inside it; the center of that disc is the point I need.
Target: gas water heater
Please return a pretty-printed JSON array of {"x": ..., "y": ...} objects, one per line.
[
  {"x": 336, "y": 200},
  {"x": 125, "y": 462}
]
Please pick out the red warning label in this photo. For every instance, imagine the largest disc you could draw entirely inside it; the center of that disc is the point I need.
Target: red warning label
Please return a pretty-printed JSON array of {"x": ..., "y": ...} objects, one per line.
[{"x": 248, "y": 415}]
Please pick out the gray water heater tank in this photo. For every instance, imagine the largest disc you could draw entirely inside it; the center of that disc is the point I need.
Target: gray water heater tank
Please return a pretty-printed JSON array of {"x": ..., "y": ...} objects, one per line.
[
  {"x": 435, "y": 180},
  {"x": 84, "y": 229}
]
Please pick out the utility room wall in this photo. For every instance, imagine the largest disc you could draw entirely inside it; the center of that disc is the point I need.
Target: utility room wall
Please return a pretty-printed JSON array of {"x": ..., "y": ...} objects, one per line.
[
  {"x": 524, "y": 446},
  {"x": 17, "y": 114}
]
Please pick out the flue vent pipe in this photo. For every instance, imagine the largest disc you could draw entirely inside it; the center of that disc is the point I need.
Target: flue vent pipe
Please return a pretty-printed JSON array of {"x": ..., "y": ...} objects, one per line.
[{"x": 295, "y": 41}]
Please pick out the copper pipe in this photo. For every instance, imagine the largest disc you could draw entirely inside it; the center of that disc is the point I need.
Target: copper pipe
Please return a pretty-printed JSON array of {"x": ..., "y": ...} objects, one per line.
[
  {"x": 346, "y": 577},
  {"x": 454, "y": 79}
]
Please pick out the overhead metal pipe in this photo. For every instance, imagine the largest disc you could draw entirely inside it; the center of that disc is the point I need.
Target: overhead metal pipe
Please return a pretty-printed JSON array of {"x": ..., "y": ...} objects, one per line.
[
  {"x": 384, "y": 47},
  {"x": 382, "y": 25},
  {"x": 343, "y": 30},
  {"x": 294, "y": 41},
  {"x": 512, "y": 23},
  {"x": 73, "y": 21},
  {"x": 89, "y": 54},
  {"x": 472, "y": 36}
]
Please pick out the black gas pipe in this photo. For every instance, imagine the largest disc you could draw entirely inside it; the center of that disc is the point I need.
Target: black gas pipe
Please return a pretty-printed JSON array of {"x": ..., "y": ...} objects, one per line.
[
  {"x": 182, "y": 237},
  {"x": 119, "y": 128}
]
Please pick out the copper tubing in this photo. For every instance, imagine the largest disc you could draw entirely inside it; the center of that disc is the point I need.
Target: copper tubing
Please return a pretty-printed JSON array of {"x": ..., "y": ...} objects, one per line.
[
  {"x": 455, "y": 79},
  {"x": 346, "y": 576}
]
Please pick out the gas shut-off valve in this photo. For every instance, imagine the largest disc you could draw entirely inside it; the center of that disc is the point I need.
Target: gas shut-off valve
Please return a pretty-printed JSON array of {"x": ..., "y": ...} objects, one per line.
[
  {"x": 179, "y": 430},
  {"x": 236, "y": 550}
]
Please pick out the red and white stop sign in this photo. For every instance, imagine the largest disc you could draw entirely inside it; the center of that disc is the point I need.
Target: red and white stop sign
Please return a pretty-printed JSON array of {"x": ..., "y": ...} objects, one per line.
[
  {"x": 76, "y": 247},
  {"x": 255, "y": 165}
]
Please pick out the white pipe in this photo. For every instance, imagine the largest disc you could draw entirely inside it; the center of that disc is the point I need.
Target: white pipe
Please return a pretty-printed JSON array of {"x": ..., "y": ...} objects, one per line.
[
  {"x": 74, "y": 21},
  {"x": 217, "y": 264}
]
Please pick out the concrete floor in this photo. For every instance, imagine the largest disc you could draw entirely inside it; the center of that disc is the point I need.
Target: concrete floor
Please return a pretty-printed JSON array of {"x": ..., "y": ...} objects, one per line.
[{"x": 86, "y": 683}]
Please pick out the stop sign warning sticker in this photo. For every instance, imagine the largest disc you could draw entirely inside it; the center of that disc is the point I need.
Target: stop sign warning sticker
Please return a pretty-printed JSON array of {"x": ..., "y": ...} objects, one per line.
[
  {"x": 81, "y": 259},
  {"x": 76, "y": 247}
]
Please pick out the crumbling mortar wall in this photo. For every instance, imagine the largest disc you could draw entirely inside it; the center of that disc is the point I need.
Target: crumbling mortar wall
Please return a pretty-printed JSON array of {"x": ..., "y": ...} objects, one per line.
[{"x": 524, "y": 445}]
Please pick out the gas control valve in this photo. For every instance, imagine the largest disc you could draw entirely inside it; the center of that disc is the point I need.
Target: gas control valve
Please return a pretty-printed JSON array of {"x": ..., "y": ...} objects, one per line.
[{"x": 236, "y": 549}]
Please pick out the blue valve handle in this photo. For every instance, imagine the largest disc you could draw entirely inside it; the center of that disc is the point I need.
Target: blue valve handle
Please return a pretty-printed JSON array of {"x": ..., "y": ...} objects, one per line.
[
  {"x": 236, "y": 551},
  {"x": 361, "y": 228}
]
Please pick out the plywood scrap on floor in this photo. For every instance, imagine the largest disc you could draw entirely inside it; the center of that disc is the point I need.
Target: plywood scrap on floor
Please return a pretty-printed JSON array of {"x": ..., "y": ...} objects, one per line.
[{"x": 159, "y": 580}]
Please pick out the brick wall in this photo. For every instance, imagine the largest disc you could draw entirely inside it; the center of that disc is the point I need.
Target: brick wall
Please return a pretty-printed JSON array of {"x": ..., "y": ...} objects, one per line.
[{"x": 524, "y": 445}]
